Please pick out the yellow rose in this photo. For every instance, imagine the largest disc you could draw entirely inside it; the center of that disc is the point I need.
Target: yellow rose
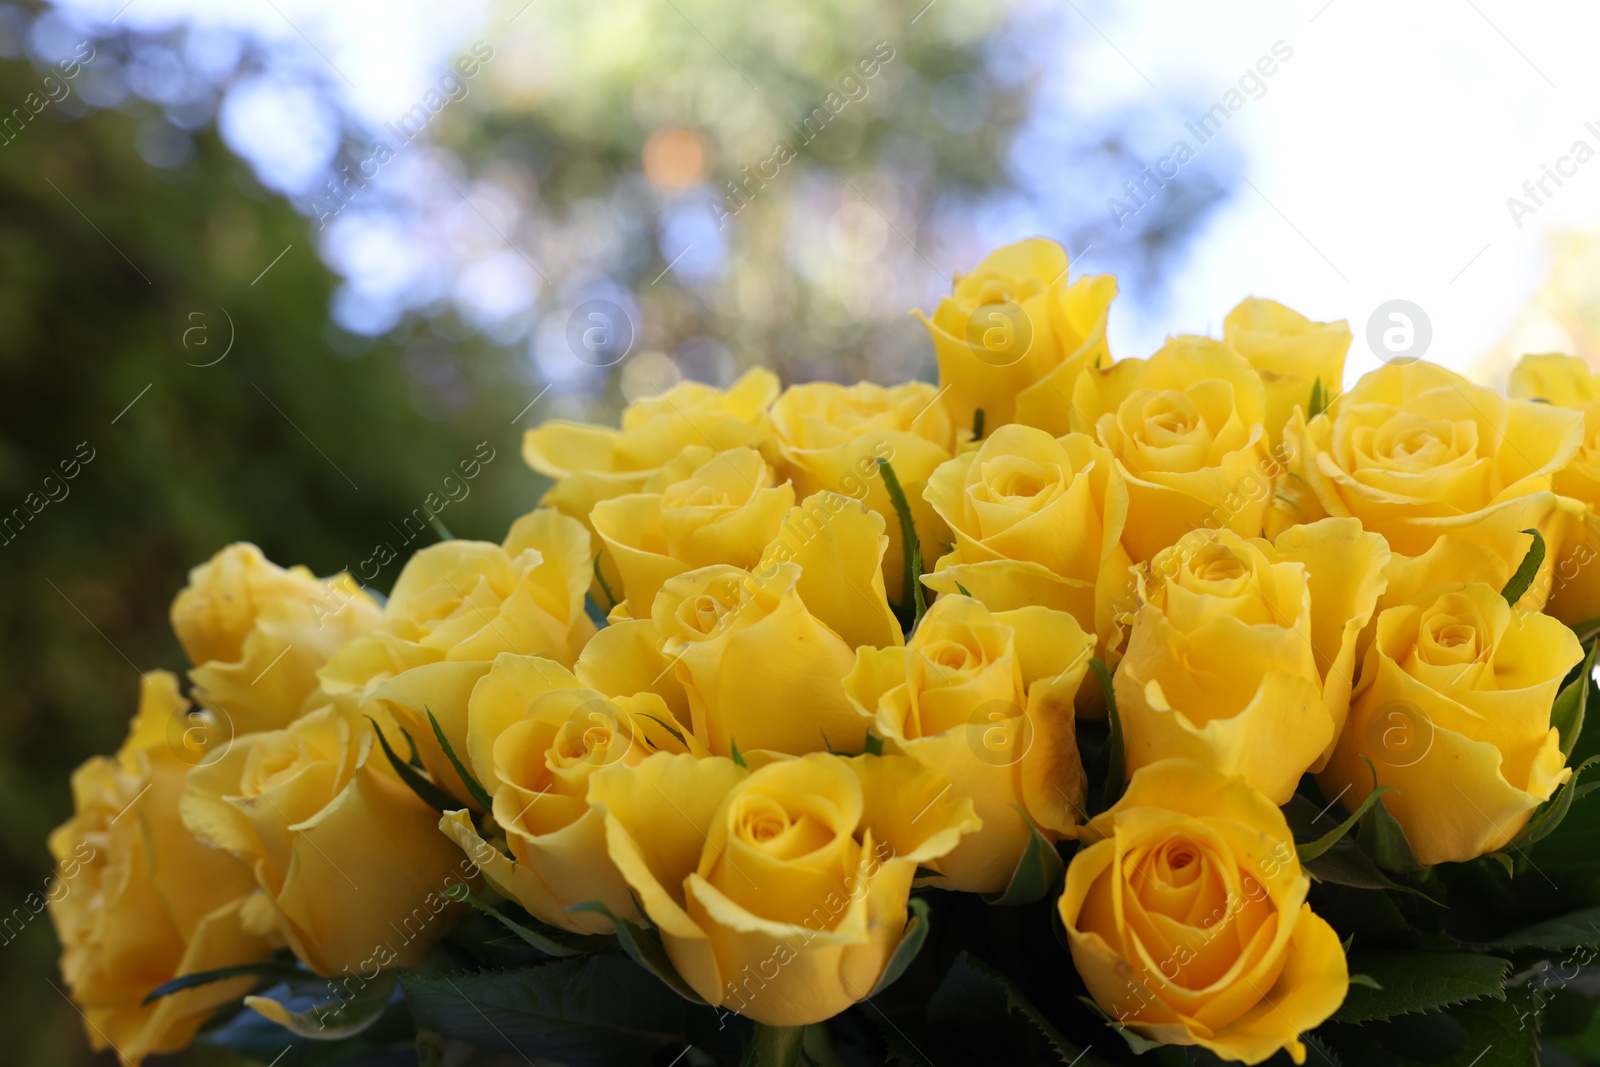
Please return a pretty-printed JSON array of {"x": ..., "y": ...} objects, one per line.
[
  {"x": 1012, "y": 336},
  {"x": 779, "y": 893},
  {"x": 831, "y": 437},
  {"x": 536, "y": 735},
  {"x": 1037, "y": 520},
  {"x": 1290, "y": 352},
  {"x": 985, "y": 701},
  {"x": 1242, "y": 653},
  {"x": 701, "y": 508},
  {"x": 1186, "y": 427},
  {"x": 257, "y": 634},
  {"x": 1187, "y": 918},
  {"x": 1417, "y": 452},
  {"x": 593, "y": 463},
  {"x": 1567, "y": 382},
  {"x": 1453, "y": 711},
  {"x": 351, "y": 859},
  {"x": 137, "y": 901},
  {"x": 759, "y": 669},
  {"x": 455, "y": 607}
]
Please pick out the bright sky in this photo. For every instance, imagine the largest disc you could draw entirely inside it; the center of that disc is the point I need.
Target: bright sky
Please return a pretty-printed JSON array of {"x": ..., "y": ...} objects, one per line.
[{"x": 1379, "y": 160}]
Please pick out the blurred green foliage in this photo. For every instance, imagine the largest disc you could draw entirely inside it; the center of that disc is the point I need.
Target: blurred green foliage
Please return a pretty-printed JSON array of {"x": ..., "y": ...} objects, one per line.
[{"x": 105, "y": 261}]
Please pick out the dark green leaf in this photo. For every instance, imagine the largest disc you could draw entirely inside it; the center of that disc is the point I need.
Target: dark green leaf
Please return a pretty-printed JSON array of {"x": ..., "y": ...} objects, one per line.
[
  {"x": 1550, "y": 814},
  {"x": 1115, "y": 776},
  {"x": 588, "y": 1012},
  {"x": 1567, "y": 713},
  {"x": 908, "y": 534},
  {"x": 343, "y": 1017},
  {"x": 430, "y": 794},
  {"x": 1587, "y": 631},
  {"x": 1039, "y": 870},
  {"x": 1310, "y": 850},
  {"x": 1581, "y": 927},
  {"x": 676, "y": 733},
  {"x": 543, "y": 942},
  {"x": 973, "y": 991},
  {"x": 1319, "y": 400},
  {"x": 977, "y": 424},
  {"x": 874, "y": 744},
  {"x": 916, "y": 587},
  {"x": 1383, "y": 838},
  {"x": 962, "y": 590},
  {"x": 644, "y": 948},
  {"x": 279, "y": 972},
  {"x": 1137, "y": 1043},
  {"x": 735, "y": 755},
  {"x": 916, "y": 933},
  {"x": 1420, "y": 981},
  {"x": 478, "y": 793},
  {"x": 440, "y": 528},
  {"x": 1522, "y": 580}
]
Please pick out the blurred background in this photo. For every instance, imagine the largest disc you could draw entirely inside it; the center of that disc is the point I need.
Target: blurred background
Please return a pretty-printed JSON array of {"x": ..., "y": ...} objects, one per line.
[{"x": 277, "y": 266}]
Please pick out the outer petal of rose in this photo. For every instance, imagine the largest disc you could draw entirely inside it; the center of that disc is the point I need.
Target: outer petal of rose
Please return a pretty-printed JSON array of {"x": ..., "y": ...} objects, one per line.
[
  {"x": 1164, "y": 506},
  {"x": 1310, "y": 988},
  {"x": 444, "y": 690},
  {"x": 1345, "y": 567},
  {"x": 1271, "y": 742},
  {"x": 626, "y": 524},
  {"x": 332, "y": 921},
  {"x": 839, "y": 545},
  {"x": 1500, "y": 527},
  {"x": 1047, "y": 403},
  {"x": 657, "y": 817},
  {"x": 1562, "y": 380},
  {"x": 566, "y": 558},
  {"x": 625, "y": 658}
]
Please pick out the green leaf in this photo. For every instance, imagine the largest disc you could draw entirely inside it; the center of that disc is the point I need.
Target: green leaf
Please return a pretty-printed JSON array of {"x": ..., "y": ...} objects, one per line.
[
  {"x": 1138, "y": 1044},
  {"x": 1382, "y": 836},
  {"x": 1587, "y": 631},
  {"x": 589, "y": 1012},
  {"x": 973, "y": 991},
  {"x": 916, "y": 933},
  {"x": 430, "y": 794},
  {"x": 908, "y": 534},
  {"x": 774, "y": 1046},
  {"x": 1567, "y": 713},
  {"x": 1319, "y": 400},
  {"x": 1366, "y": 980},
  {"x": 478, "y": 793},
  {"x": 644, "y": 948},
  {"x": 676, "y": 733},
  {"x": 977, "y": 424},
  {"x": 1522, "y": 580},
  {"x": 1039, "y": 870},
  {"x": 440, "y": 528},
  {"x": 1581, "y": 927},
  {"x": 735, "y": 754},
  {"x": 962, "y": 590},
  {"x": 280, "y": 972},
  {"x": 1310, "y": 850},
  {"x": 600, "y": 580},
  {"x": 544, "y": 943},
  {"x": 1549, "y": 815},
  {"x": 1115, "y": 782},
  {"x": 1419, "y": 981},
  {"x": 874, "y": 744}
]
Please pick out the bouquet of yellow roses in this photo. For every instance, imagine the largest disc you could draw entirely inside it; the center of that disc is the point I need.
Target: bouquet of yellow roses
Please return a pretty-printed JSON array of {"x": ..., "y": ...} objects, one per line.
[{"x": 1068, "y": 710}]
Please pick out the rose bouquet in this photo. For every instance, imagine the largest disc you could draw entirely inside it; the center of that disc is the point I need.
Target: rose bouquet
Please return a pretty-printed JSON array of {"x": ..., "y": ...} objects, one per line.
[{"x": 1068, "y": 710}]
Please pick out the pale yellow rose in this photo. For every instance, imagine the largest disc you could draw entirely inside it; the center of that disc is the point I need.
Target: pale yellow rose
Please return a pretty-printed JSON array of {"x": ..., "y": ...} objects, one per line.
[
  {"x": 1242, "y": 653},
  {"x": 137, "y": 901},
  {"x": 1037, "y": 520},
  {"x": 592, "y": 463},
  {"x": 1567, "y": 382},
  {"x": 1453, "y": 712},
  {"x": 351, "y": 859},
  {"x": 1417, "y": 452},
  {"x": 1187, "y": 918},
  {"x": 830, "y": 437},
  {"x": 455, "y": 607},
  {"x": 779, "y": 893},
  {"x": 1290, "y": 352},
  {"x": 986, "y": 702},
  {"x": 702, "y": 507},
  {"x": 257, "y": 634},
  {"x": 1186, "y": 427},
  {"x": 535, "y": 737},
  {"x": 1013, "y": 335}
]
